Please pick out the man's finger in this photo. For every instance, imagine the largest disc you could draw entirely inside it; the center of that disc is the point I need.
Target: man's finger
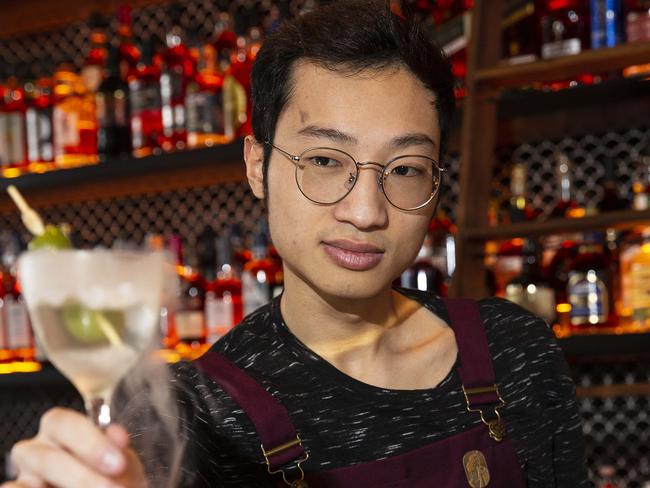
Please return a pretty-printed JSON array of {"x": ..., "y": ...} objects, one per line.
[
  {"x": 57, "y": 467},
  {"x": 76, "y": 433}
]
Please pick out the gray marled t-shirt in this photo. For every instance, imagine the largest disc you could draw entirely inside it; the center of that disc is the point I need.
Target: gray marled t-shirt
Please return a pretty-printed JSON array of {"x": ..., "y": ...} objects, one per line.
[{"x": 343, "y": 421}]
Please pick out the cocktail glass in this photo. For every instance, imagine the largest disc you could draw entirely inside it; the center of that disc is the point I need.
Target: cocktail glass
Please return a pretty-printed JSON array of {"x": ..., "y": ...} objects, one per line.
[{"x": 95, "y": 312}]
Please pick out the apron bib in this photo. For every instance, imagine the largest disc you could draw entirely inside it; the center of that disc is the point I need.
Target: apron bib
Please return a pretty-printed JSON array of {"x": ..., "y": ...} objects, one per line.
[{"x": 480, "y": 457}]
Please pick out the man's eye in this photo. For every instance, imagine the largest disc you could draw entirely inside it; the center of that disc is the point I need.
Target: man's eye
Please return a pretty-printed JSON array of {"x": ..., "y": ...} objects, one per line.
[
  {"x": 404, "y": 170},
  {"x": 324, "y": 161}
]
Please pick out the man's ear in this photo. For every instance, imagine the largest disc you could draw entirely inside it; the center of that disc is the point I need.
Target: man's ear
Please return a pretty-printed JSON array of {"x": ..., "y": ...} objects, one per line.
[{"x": 254, "y": 157}]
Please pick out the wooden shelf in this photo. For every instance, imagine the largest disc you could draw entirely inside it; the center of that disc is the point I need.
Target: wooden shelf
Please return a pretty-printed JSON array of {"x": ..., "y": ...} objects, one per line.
[
  {"x": 29, "y": 16},
  {"x": 122, "y": 177},
  {"x": 619, "y": 220},
  {"x": 594, "y": 61},
  {"x": 606, "y": 347}
]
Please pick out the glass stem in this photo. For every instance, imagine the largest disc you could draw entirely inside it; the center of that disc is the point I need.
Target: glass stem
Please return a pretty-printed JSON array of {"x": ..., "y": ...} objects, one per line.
[{"x": 99, "y": 411}]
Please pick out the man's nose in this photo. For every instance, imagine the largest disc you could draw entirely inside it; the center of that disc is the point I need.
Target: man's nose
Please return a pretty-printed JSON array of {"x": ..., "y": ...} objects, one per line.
[{"x": 365, "y": 206}]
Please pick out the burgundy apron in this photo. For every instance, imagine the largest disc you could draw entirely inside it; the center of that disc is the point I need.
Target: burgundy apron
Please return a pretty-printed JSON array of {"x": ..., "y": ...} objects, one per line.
[{"x": 482, "y": 456}]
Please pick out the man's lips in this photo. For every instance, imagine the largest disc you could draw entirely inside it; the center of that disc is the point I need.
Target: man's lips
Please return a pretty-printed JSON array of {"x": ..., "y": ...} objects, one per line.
[{"x": 352, "y": 255}]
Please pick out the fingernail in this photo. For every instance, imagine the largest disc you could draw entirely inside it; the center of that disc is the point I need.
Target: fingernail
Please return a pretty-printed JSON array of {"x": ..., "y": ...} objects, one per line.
[{"x": 112, "y": 460}]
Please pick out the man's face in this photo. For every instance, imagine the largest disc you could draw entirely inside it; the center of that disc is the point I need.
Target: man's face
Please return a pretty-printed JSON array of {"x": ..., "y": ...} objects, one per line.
[{"x": 357, "y": 246}]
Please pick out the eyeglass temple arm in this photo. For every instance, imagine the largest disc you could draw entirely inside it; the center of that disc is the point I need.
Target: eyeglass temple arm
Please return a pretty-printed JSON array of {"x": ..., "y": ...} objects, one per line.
[{"x": 283, "y": 152}]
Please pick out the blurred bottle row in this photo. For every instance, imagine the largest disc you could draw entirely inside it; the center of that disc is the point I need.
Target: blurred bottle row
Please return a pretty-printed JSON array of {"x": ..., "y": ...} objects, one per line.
[
  {"x": 140, "y": 97},
  {"x": 543, "y": 29},
  {"x": 132, "y": 97},
  {"x": 217, "y": 282},
  {"x": 582, "y": 282}
]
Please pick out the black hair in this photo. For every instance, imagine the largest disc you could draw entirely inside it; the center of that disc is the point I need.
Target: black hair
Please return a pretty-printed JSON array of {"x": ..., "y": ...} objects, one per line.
[{"x": 350, "y": 37}]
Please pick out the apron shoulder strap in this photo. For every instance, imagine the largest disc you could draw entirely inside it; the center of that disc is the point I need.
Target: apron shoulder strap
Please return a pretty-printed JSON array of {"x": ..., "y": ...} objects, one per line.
[
  {"x": 281, "y": 444},
  {"x": 476, "y": 370}
]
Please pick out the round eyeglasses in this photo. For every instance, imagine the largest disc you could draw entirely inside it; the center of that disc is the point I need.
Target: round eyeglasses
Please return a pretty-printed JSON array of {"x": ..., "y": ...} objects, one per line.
[{"x": 325, "y": 176}]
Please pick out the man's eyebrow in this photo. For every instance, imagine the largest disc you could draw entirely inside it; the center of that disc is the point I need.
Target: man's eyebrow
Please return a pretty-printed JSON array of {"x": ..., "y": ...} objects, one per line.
[
  {"x": 333, "y": 135},
  {"x": 414, "y": 139}
]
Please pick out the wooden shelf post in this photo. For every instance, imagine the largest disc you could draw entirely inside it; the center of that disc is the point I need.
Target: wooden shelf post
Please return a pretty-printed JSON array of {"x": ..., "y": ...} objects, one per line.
[{"x": 477, "y": 148}]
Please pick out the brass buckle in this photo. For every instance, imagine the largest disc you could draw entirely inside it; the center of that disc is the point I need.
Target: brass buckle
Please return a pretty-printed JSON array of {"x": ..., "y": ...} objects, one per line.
[
  {"x": 496, "y": 427},
  {"x": 284, "y": 447}
]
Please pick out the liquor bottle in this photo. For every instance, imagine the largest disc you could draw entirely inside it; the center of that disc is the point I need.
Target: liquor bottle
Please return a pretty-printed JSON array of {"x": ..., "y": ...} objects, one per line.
[
  {"x": 40, "y": 134},
  {"x": 520, "y": 210},
  {"x": 112, "y": 99},
  {"x": 241, "y": 253},
  {"x": 262, "y": 278},
  {"x": 226, "y": 305},
  {"x": 611, "y": 200},
  {"x": 559, "y": 253},
  {"x": 129, "y": 52},
  {"x": 189, "y": 319},
  {"x": 224, "y": 39},
  {"x": 531, "y": 289},
  {"x": 641, "y": 185},
  {"x": 178, "y": 70},
  {"x": 93, "y": 69},
  {"x": 507, "y": 264},
  {"x": 607, "y": 23},
  {"x": 13, "y": 147},
  {"x": 254, "y": 43},
  {"x": 567, "y": 206},
  {"x": 74, "y": 120},
  {"x": 238, "y": 77},
  {"x": 607, "y": 476},
  {"x": 146, "y": 105},
  {"x": 422, "y": 274},
  {"x": 637, "y": 29},
  {"x": 564, "y": 27},
  {"x": 205, "y": 114},
  {"x": 637, "y": 294},
  {"x": 520, "y": 35},
  {"x": 442, "y": 231},
  {"x": 14, "y": 310},
  {"x": 589, "y": 285},
  {"x": 5, "y": 351}
]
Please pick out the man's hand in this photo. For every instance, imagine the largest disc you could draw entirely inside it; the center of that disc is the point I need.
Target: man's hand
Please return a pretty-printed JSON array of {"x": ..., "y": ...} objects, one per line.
[{"x": 70, "y": 452}]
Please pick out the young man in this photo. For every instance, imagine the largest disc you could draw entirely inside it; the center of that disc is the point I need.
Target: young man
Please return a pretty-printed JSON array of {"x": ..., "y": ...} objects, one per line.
[{"x": 343, "y": 380}]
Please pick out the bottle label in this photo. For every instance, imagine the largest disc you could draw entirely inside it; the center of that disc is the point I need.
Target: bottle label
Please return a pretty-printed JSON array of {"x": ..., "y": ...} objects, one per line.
[
  {"x": 40, "y": 145},
  {"x": 256, "y": 293},
  {"x": 12, "y": 138},
  {"x": 538, "y": 299},
  {"x": 205, "y": 113},
  {"x": 566, "y": 47},
  {"x": 66, "y": 132},
  {"x": 606, "y": 25},
  {"x": 639, "y": 282},
  {"x": 92, "y": 77},
  {"x": 144, "y": 97},
  {"x": 588, "y": 296},
  {"x": 4, "y": 340},
  {"x": 4, "y": 145},
  {"x": 111, "y": 109},
  {"x": 172, "y": 89},
  {"x": 219, "y": 315},
  {"x": 638, "y": 26},
  {"x": 189, "y": 324},
  {"x": 17, "y": 324}
]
